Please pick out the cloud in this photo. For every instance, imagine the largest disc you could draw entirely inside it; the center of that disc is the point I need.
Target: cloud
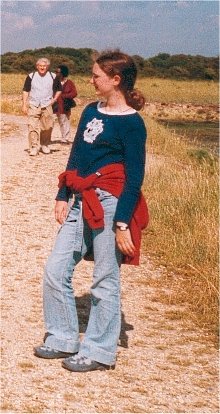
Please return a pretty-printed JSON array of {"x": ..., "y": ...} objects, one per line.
[
  {"x": 45, "y": 5},
  {"x": 13, "y": 21},
  {"x": 26, "y": 22},
  {"x": 181, "y": 4},
  {"x": 61, "y": 19},
  {"x": 9, "y": 4},
  {"x": 213, "y": 19}
]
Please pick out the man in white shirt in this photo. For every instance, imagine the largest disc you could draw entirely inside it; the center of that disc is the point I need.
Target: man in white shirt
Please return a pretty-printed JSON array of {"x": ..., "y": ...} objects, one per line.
[{"x": 41, "y": 90}]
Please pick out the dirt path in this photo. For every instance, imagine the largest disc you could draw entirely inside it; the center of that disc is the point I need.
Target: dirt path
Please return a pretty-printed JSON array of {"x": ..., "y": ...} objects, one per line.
[{"x": 163, "y": 366}]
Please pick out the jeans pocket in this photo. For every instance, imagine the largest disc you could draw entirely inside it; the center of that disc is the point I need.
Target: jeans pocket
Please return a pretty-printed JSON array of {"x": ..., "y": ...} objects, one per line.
[{"x": 73, "y": 215}]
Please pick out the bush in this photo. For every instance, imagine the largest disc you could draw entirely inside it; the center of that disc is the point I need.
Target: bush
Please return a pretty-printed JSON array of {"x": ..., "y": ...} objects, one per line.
[{"x": 80, "y": 60}]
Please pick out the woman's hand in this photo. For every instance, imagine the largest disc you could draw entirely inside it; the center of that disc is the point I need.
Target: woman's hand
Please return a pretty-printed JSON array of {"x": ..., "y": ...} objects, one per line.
[
  {"x": 124, "y": 242},
  {"x": 53, "y": 101},
  {"x": 60, "y": 211}
]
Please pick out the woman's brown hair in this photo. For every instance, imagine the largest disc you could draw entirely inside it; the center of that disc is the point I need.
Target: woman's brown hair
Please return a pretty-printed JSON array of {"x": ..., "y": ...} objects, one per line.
[{"x": 118, "y": 63}]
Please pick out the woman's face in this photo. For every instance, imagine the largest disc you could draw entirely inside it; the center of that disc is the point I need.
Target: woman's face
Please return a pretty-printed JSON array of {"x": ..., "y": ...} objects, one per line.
[
  {"x": 58, "y": 73},
  {"x": 104, "y": 84}
]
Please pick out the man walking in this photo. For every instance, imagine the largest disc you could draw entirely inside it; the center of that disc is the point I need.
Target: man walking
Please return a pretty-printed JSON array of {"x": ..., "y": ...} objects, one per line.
[{"x": 41, "y": 90}]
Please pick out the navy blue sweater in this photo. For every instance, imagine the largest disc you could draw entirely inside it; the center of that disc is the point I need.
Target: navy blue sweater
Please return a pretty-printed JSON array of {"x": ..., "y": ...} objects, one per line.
[{"x": 103, "y": 139}]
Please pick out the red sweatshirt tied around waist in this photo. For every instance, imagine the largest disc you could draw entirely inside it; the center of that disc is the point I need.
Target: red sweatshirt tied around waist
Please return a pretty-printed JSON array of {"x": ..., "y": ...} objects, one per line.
[{"x": 110, "y": 178}]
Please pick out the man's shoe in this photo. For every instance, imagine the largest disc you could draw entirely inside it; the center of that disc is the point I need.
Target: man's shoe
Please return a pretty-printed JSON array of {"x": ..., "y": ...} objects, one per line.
[
  {"x": 45, "y": 149},
  {"x": 33, "y": 152},
  {"x": 79, "y": 363},
  {"x": 49, "y": 353}
]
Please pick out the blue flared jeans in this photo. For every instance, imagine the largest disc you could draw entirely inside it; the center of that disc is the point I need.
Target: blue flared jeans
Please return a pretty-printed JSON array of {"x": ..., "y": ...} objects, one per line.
[{"x": 73, "y": 241}]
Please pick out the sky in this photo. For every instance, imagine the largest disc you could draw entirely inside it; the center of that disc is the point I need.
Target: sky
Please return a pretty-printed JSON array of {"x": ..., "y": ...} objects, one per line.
[{"x": 143, "y": 28}]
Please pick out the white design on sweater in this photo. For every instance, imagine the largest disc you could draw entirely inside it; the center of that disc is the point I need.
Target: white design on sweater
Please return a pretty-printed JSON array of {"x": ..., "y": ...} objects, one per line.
[{"x": 93, "y": 129}]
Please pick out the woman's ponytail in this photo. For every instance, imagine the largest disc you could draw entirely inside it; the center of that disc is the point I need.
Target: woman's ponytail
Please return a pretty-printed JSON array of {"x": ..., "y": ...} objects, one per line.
[{"x": 135, "y": 99}]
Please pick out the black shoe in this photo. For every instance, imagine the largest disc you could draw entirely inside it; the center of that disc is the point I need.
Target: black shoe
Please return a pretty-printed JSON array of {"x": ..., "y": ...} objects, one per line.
[
  {"x": 79, "y": 363},
  {"x": 47, "y": 352}
]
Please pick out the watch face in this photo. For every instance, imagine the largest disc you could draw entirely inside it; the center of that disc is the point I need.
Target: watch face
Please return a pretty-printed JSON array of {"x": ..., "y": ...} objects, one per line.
[{"x": 123, "y": 228}]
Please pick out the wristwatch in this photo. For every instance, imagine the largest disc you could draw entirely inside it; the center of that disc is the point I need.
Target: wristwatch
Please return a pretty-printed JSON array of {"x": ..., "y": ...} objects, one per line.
[{"x": 122, "y": 228}]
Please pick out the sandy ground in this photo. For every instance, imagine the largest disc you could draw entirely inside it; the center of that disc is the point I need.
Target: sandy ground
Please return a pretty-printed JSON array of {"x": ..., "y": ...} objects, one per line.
[{"x": 164, "y": 365}]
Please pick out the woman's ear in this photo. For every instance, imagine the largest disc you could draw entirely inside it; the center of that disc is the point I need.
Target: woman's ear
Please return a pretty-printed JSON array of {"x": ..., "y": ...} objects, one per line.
[{"x": 117, "y": 80}]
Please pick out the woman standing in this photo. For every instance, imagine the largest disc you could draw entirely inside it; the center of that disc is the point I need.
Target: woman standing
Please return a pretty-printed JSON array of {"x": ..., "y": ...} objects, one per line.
[
  {"x": 63, "y": 107},
  {"x": 105, "y": 172}
]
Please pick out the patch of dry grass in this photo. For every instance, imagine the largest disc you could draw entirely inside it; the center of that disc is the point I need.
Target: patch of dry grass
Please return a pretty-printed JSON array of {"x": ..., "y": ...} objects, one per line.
[
  {"x": 154, "y": 89},
  {"x": 170, "y": 90},
  {"x": 182, "y": 193}
]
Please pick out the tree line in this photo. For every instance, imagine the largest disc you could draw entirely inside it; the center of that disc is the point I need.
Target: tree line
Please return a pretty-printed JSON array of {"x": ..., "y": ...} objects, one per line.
[{"x": 80, "y": 61}]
